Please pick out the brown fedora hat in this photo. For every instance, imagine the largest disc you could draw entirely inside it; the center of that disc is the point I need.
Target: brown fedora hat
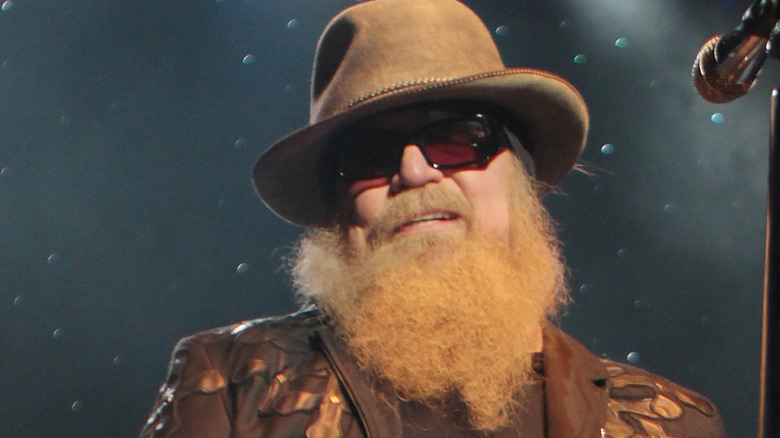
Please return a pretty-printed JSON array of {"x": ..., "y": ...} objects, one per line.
[{"x": 384, "y": 54}]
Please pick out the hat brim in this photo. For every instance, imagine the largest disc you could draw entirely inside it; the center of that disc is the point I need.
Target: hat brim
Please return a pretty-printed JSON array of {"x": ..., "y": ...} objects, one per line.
[{"x": 553, "y": 115}]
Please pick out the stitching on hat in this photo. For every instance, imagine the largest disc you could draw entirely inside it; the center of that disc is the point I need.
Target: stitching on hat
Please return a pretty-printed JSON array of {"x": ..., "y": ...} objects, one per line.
[
  {"x": 446, "y": 81},
  {"x": 394, "y": 88}
]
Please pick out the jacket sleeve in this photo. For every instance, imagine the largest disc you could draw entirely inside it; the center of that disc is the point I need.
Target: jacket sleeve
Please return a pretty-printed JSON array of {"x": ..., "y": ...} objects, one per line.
[
  {"x": 645, "y": 404},
  {"x": 193, "y": 402}
]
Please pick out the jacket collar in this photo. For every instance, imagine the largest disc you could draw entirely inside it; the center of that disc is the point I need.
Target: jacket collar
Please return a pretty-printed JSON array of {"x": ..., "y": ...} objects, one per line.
[
  {"x": 575, "y": 388},
  {"x": 378, "y": 416},
  {"x": 576, "y": 393}
]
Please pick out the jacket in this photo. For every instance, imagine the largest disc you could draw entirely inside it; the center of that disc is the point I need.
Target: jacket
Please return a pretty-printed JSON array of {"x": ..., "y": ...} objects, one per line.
[{"x": 291, "y": 376}]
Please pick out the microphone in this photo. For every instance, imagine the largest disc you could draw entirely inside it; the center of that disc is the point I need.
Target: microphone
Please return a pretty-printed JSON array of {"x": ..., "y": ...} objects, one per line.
[{"x": 727, "y": 66}]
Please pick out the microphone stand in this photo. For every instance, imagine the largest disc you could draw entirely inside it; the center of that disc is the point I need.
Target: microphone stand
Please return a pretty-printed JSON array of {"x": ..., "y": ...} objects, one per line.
[
  {"x": 725, "y": 69},
  {"x": 769, "y": 409}
]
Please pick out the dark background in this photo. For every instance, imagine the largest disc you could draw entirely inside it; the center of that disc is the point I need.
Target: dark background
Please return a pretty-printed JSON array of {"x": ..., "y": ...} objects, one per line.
[{"x": 127, "y": 135}]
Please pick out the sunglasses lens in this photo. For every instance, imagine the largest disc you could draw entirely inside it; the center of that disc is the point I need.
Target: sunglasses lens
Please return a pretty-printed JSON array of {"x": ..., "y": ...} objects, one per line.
[
  {"x": 369, "y": 155},
  {"x": 455, "y": 143}
]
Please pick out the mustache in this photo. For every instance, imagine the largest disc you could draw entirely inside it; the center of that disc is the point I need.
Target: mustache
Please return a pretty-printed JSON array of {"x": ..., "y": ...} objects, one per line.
[{"x": 432, "y": 199}]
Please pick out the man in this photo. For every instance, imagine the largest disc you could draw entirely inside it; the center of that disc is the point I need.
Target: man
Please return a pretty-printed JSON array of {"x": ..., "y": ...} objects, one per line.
[{"x": 430, "y": 271}]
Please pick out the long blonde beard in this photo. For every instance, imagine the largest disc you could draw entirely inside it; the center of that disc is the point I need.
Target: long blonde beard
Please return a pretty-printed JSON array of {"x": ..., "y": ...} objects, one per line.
[{"x": 440, "y": 315}]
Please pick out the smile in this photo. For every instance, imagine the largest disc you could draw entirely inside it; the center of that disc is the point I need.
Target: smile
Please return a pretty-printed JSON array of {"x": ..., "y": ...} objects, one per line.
[{"x": 427, "y": 220}]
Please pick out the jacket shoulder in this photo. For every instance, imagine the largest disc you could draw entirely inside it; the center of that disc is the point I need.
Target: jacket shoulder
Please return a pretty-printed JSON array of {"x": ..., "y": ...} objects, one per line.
[
  {"x": 289, "y": 333},
  {"x": 216, "y": 374},
  {"x": 262, "y": 346},
  {"x": 645, "y": 404}
]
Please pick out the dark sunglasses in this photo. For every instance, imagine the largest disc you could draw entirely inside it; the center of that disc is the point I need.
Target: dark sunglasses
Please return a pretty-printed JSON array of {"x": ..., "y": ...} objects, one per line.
[{"x": 366, "y": 153}]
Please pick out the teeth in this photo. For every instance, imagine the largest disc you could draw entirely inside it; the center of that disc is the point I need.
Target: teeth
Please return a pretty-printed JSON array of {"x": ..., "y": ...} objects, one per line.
[{"x": 432, "y": 217}]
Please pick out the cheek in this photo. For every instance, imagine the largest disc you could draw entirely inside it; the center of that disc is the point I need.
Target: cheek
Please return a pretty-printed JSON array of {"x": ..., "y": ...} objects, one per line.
[
  {"x": 488, "y": 195},
  {"x": 491, "y": 213},
  {"x": 368, "y": 204}
]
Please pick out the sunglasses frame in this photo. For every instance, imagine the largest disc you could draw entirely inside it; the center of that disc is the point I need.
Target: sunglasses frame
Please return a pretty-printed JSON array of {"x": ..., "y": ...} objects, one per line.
[{"x": 494, "y": 140}]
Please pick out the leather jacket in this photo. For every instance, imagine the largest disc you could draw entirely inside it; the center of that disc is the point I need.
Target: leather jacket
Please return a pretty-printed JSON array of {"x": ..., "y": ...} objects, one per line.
[{"x": 291, "y": 376}]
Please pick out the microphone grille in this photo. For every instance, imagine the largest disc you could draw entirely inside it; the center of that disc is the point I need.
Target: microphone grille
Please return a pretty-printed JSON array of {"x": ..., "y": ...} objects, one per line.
[{"x": 708, "y": 83}]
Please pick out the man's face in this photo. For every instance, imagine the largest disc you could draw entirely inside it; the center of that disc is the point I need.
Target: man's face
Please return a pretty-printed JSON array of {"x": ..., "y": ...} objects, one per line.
[
  {"x": 430, "y": 263},
  {"x": 482, "y": 185}
]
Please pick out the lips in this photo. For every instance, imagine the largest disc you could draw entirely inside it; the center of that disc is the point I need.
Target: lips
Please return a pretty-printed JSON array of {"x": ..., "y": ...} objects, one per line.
[{"x": 427, "y": 218}]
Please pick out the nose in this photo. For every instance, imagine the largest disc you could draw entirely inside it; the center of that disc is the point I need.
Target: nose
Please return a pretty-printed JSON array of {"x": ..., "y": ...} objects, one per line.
[{"x": 414, "y": 170}]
